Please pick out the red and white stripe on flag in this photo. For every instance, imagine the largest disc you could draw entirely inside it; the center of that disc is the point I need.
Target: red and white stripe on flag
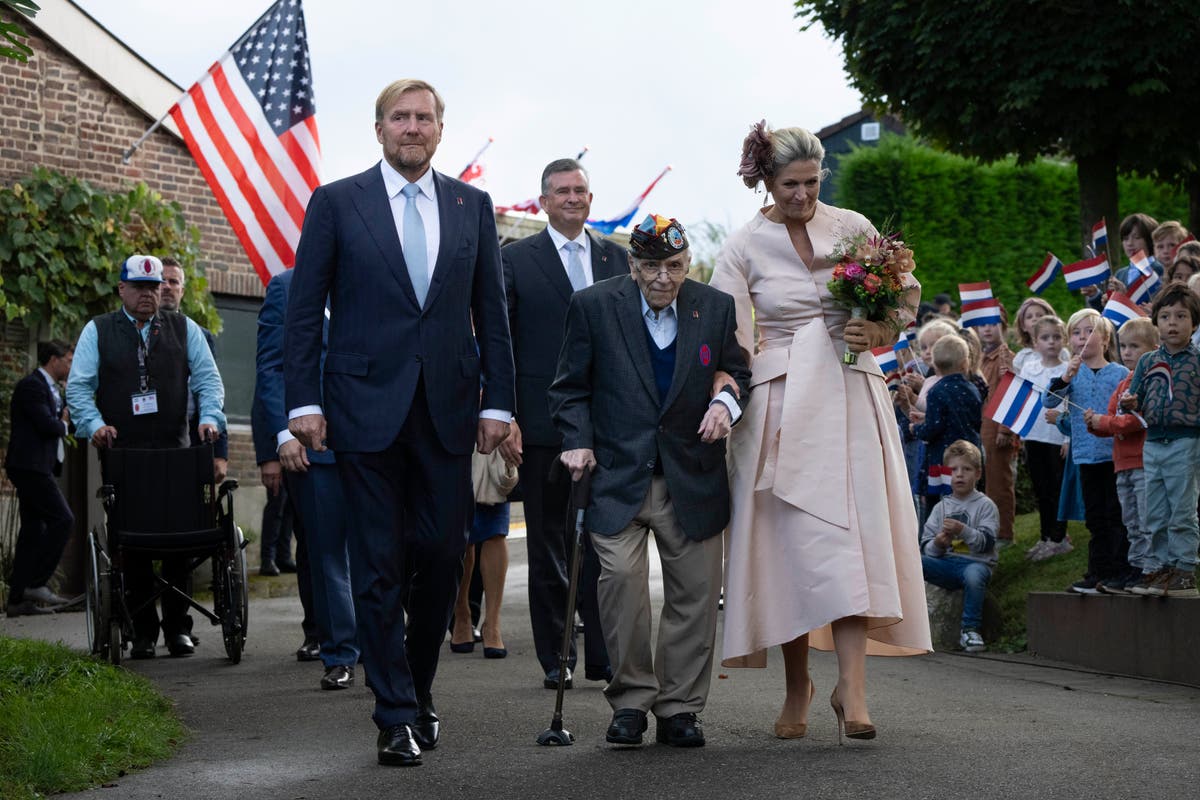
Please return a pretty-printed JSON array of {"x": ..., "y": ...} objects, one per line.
[
  {"x": 1120, "y": 309},
  {"x": 1088, "y": 272},
  {"x": 1141, "y": 262},
  {"x": 1144, "y": 286},
  {"x": 1045, "y": 274},
  {"x": 980, "y": 312},
  {"x": 939, "y": 479},
  {"x": 885, "y": 358},
  {"x": 971, "y": 292},
  {"x": 1016, "y": 404},
  {"x": 250, "y": 124}
]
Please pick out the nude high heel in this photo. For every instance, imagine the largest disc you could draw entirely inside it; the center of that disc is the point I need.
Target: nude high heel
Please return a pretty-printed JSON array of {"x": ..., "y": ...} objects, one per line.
[
  {"x": 853, "y": 730},
  {"x": 795, "y": 730}
]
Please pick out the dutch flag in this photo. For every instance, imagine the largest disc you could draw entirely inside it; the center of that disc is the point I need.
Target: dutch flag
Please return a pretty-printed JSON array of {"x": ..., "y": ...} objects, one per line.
[
  {"x": 1100, "y": 236},
  {"x": 1045, "y": 274},
  {"x": 939, "y": 479},
  {"x": 980, "y": 312},
  {"x": 1120, "y": 309},
  {"x": 885, "y": 357},
  {"x": 1161, "y": 370},
  {"x": 971, "y": 292},
  {"x": 1141, "y": 262},
  {"x": 1016, "y": 404},
  {"x": 1088, "y": 272},
  {"x": 1144, "y": 287}
]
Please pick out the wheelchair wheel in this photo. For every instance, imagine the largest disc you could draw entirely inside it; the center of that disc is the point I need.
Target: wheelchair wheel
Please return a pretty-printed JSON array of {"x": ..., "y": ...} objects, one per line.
[
  {"x": 97, "y": 625},
  {"x": 114, "y": 641},
  {"x": 242, "y": 581},
  {"x": 228, "y": 608}
]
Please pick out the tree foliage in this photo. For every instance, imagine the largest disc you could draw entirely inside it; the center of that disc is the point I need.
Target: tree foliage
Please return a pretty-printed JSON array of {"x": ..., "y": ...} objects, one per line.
[
  {"x": 994, "y": 78},
  {"x": 969, "y": 221},
  {"x": 62, "y": 243}
]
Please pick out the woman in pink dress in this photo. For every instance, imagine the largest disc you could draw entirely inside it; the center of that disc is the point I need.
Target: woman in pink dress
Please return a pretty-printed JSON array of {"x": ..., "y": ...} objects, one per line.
[{"x": 822, "y": 544}]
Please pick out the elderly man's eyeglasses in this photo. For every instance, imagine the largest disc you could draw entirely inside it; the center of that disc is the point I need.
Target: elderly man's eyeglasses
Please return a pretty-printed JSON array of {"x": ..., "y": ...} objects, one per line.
[{"x": 654, "y": 269}]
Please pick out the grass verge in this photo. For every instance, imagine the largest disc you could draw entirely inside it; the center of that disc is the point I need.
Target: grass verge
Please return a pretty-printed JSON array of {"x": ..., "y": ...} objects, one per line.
[
  {"x": 68, "y": 722},
  {"x": 1014, "y": 577}
]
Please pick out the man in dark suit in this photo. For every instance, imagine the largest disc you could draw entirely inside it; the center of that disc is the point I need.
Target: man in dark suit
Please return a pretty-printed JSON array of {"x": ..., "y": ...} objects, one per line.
[
  {"x": 410, "y": 263},
  {"x": 315, "y": 490},
  {"x": 35, "y": 455},
  {"x": 540, "y": 274},
  {"x": 631, "y": 399}
]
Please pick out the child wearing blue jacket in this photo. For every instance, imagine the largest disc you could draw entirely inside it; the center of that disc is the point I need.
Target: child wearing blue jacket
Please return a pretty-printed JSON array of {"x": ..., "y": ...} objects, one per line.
[{"x": 1089, "y": 382}]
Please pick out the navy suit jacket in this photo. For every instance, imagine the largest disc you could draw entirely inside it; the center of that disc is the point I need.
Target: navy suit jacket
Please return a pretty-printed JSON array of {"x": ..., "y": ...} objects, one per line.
[
  {"x": 268, "y": 414},
  {"x": 380, "y": 340},
  {"x": 36, "y": 428},
  {"x": 538, "y": 292}
]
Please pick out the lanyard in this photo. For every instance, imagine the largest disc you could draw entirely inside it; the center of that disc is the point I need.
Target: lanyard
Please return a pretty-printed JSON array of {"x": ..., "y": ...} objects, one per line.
[{"x": 143, "y": 356}]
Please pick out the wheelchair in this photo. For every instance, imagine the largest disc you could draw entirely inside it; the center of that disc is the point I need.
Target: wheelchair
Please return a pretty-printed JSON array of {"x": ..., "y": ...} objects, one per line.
[{"x": 160, "y": 503}]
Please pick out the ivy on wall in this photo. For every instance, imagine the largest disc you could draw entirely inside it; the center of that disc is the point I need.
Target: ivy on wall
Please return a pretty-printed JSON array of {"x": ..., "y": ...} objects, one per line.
[
  {"x": 968, "y": 221},
  {"x": 62, "y": 243}
]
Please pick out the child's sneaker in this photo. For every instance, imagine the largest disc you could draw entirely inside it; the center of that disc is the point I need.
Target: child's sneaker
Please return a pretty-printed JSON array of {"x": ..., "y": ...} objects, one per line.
[
  {"x": 1113, "y": 585},
  {"x": 1085, "y": 585},
  {"x": 1034, "y": 553},
  {"x": 971, "y": 642},
  {"x": 1182, "y": 583},
  {"x": 1154, "y": 584}
]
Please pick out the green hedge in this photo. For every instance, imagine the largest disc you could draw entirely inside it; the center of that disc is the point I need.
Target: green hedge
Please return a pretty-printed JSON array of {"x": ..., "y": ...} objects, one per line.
[{"x": 967, "y": 221}]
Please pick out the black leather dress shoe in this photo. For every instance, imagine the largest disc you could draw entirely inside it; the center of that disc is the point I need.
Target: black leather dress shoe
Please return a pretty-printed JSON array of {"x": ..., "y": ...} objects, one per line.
[
  {"x": 180, "y": 645},
  {"x": 598, "y": 674},
  {"x": 269, "y": 569},
  {"x": 681, "y": 730},
  {"x": 627, "y": 726},
  {"x": 309, "y": 651},
  {"x": 427, "y": 728},
  {"x": 286, "y": 566},
  {"x": 551, "y": 679},
  {"x": 397, "y": 748},
  {"x": 142, "y": 648},
  {"x": 338, "y": 676}
]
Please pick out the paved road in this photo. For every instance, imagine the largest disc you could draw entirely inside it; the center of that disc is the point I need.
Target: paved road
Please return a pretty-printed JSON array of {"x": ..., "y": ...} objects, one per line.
[{"x": 950, "y": 726}]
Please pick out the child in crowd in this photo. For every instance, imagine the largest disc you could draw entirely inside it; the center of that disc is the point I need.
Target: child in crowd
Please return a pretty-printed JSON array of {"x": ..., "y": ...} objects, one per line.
[
  {"x": 1137, "y": 234},
  {"x": 1138, "y": 336},
  {"x": 1088, "y": 383},
  {"x": 1000, "y": 444},
  {"x": 958, "y": 541},
  {"x": 918, "y": 384},
  {"x": 974, "y": 371},
  {"x": 1166, "y": 391},
  {"x": 1029, "y": 312},
  {"x": 952, "y": 409},
  {"x": 1045, "y": 445},
  {"x": 1167, "y": 237}
]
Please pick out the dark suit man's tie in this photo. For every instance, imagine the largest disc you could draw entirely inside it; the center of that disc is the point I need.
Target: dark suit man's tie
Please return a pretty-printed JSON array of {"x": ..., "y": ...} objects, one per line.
[
  {"x": 415, "y": 255},
  {"x": 575, "y": 266}
]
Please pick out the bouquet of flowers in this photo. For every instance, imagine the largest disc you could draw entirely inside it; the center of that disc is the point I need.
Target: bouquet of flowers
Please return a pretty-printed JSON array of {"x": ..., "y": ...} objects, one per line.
[{"x": 867, "y": 277}]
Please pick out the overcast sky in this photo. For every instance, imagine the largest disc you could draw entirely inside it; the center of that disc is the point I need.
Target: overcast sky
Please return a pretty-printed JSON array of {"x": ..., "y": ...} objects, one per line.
[{"x": 642, "y": 84}]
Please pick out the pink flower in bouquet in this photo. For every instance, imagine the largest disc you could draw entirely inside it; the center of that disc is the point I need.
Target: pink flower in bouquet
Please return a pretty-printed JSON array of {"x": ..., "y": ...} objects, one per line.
[
  {"x": 872, "y": 283},
  {"x": 855, "y": 272}
]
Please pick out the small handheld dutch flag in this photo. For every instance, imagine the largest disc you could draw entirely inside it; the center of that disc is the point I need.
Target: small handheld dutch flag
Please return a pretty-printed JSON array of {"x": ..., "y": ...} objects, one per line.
[
  {"x": 939, "y": 479},
  {"x": 1144, "y": 287},
  {"x": 1100, "y": 236},
  {"x": 1016, "y": 404},
  {"x": 978, "y": 305},
  {"x": 1045, "y": 274},
  {"x": 885, "y": 357},
  {"x": 1120, "y": 309},
  {"x": 1161, "y": 370},
  {"x": 1141, "y": 262},
  {"x": 1088, "y": 272}
]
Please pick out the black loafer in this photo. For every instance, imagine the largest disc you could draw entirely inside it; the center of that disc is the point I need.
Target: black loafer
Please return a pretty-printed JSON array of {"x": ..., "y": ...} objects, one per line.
[
  {"x": 309, "y": 651},
  {"x": 681, "y": 730},
  {"x": 268, "y": 569},
  {"x": 142, "y": 648},
  {"x": 427, "y": 728},
  {"x": 627, "y": 726},
  {"x": 598, "y": 674},
  {"x": 338, "y": 676},
  {"x": 397, "y": 748},
  {"x": 286, "y": 566},
  {"x": 551, "y": 679},
  {"x": 180, "y": 645}
]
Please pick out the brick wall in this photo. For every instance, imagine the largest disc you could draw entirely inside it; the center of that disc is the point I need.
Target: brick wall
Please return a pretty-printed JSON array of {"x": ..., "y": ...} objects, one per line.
[{"x": 56, "y": 113}]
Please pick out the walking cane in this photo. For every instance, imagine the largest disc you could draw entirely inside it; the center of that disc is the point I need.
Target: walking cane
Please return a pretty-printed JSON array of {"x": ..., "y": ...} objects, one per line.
[{"x": 557, "y": 735}]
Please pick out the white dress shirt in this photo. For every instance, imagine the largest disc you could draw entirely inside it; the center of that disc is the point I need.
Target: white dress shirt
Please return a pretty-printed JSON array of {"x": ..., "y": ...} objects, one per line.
[
  {"x": 426, "y": 200},
  {"x": 585, "y": 255},
  {"x": 664, "y": 327}
]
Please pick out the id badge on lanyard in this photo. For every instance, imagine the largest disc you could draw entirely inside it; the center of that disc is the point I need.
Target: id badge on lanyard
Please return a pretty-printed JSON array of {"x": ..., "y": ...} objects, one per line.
[{"x": 145, "y": 399}]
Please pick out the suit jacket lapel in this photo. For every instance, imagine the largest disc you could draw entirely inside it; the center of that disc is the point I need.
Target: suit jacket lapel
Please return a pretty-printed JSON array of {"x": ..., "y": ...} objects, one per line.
[
  {"x": 450, "y": 219},
  {"x": 629, "y": 314},
  {"x": 687, "y": 339},
  {"x": 604, "y": 265},
  {"x": 548, "y": 261},
  {"x": 375, "y": 209}
]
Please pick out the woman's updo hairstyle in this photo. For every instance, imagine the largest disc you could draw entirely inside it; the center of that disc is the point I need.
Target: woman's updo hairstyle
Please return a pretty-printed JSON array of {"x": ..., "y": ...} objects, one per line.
[{"x": 765, "y": 152}]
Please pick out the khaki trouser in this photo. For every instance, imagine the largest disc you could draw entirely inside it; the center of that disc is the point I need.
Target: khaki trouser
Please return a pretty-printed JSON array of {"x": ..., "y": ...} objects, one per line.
[{"x": 676, "y": 679}]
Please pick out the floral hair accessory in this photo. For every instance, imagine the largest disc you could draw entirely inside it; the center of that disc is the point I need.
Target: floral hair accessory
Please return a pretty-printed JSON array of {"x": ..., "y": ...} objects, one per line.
[{"x": 757, "y": 155}]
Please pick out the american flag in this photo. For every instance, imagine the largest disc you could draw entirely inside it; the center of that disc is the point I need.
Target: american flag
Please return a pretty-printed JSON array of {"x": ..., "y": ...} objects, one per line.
[{"x": 251, "y": 125}]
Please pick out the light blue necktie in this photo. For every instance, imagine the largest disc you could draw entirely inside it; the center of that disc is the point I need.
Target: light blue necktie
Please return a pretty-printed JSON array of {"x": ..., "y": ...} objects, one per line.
[
  {"x": 575, "y": 266},
  {"x": 415, "y": 255}
]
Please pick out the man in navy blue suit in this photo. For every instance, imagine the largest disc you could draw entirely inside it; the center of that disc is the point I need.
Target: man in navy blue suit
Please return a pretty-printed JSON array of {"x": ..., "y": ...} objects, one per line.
[
  {"x": 34, "y": 457},
  {"x": 418, "y": 344},
  {"x": 315, "y": 490}
]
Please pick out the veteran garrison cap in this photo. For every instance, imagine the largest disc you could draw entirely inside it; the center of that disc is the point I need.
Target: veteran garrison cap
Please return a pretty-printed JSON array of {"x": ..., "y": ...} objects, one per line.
[{"x": 657, "y": 238}]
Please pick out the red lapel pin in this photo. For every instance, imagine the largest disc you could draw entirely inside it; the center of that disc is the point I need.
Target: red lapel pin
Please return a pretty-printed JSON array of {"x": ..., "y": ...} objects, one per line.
[
  {"x": 695, "y": 314},
  {"x": 460, "y": 201}
]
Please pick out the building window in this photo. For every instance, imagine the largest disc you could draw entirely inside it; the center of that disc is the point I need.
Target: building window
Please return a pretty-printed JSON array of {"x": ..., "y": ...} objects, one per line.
[
  {"x": 870, "y": 132},
  {"x": 236, "y": 349}
]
